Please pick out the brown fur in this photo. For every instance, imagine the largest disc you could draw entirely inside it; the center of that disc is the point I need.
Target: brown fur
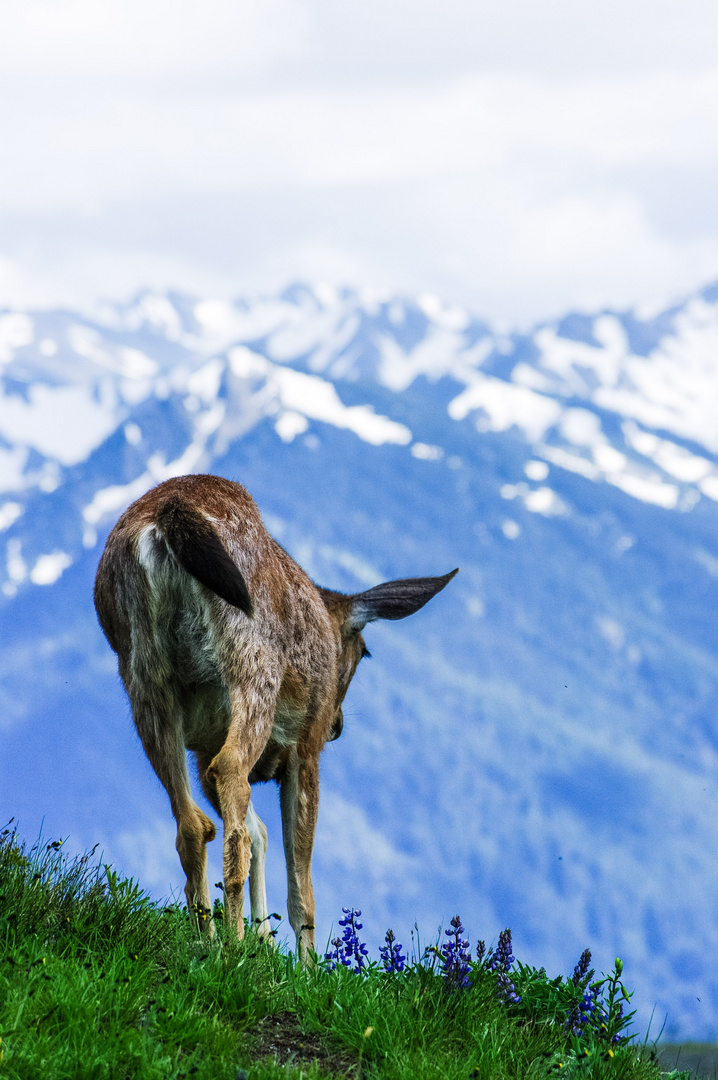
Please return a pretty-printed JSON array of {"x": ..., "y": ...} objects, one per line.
[{"x": 226, "y": 648}]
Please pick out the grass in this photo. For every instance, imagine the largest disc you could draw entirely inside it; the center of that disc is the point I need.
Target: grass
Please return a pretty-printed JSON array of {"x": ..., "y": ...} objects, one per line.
[{"x": 97, "y": 981}]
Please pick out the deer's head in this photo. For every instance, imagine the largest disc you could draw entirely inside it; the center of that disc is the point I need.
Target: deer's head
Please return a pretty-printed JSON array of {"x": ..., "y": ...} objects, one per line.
[{"x": 350, "y": 614}]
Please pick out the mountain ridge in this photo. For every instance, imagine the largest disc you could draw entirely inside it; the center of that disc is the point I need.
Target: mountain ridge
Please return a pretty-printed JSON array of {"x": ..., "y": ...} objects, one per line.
[{"x": 538, "y": 748}]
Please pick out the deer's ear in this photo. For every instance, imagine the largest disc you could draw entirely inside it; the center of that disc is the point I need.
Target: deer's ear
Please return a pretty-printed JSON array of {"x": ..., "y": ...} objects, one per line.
[{"x": 395, "y": 599}]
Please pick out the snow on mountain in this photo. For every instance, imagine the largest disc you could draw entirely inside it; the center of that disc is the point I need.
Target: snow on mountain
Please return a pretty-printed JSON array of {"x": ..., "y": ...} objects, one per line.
[{"x": 538, "y": 747}]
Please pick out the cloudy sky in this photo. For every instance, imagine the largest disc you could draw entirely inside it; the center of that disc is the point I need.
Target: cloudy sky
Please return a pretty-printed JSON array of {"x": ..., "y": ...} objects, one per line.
[{"x": 519, "y": 157}]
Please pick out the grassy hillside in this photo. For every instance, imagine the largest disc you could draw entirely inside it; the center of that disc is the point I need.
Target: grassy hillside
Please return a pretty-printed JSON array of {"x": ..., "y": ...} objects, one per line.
[{"x": 97, "y": 981}]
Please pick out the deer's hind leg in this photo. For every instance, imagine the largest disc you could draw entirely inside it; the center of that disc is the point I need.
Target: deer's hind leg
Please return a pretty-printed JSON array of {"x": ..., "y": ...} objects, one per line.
[
  {"x": 158, "y": 722},
  {"x": 252, "y": 715},
  {"x": 258, "y": 841},
  {"x": 257, "y": 883}
]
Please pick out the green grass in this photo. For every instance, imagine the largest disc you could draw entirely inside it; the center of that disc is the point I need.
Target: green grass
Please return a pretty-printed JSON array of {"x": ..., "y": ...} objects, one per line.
[{"x": 96, "y": 981}]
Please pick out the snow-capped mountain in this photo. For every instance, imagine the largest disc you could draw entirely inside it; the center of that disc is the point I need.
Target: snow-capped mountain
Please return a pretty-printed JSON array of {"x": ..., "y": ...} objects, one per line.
[{"x": 538, "y": 748}]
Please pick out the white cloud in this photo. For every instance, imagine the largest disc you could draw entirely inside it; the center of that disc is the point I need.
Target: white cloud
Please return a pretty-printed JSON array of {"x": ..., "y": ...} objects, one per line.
[
  {"x": 520, "y": 158},
  {"x": 560, "y": 36},
  {"x": 239, "y": 41},
  {"x": 130, "y": 42},
  {"x": 229, "y": 140}
]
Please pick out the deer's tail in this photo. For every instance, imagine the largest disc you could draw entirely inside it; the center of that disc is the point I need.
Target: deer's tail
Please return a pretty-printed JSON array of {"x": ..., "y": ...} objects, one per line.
[{"x": 198, "y": 549}]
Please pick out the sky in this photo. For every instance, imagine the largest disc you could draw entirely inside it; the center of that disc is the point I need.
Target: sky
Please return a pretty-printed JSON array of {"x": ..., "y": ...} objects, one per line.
[{"x": 521, "y": 159}]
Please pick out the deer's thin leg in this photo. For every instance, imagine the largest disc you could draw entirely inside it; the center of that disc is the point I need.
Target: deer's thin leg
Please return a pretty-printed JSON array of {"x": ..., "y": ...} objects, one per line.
[
  {"x": 257, "y": 884},
  {"x": 161, "y": 738},
  {"x": 229, "y": 773},
  {"x": 299, "y": 799},
  {"x": 258, "y": 842}
]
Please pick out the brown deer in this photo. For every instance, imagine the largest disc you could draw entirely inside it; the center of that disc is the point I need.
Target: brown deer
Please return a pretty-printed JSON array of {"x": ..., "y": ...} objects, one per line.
[{"x": 226, "y": 648}]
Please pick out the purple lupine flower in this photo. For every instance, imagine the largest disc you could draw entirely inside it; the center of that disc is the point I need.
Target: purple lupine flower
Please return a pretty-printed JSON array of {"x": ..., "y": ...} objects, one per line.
[
  {"x": 354, "y": 950},
  {"x": 480, "y": 950},
  {"x": 501, "y": 960},
  {"x": 594, "y": 1012},
  {"x": 588, "y": 1012},
  {"x": 506, "y": 989},
  {"x": 349, "y": 950},
  {"x": 456, "y": 956},
  {"x": 391, "y": 954},
  {"x": 333, "y": 955},
  {"x": 580, "y": 972},
  {"x": 580, "y": 1013}
]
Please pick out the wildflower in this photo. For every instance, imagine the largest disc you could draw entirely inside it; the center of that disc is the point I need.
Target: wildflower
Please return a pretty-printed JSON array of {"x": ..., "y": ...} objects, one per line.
[
  {"x": 588, "y": 1013},
  {"x": 456, "y": 956},
  {"x": 506, "y": 989},
  {"x": 503, "y": 957},
  {"x": 581, "y": 972},
  {"x": 391, "y": 955},
  {"x": 480, "y": 950},
  {"x": 348, "y": 949},
  {"x": 333, "y": 955},
  {"x": 581, "y": 1012},
  {"x": 501, "y": 961},
  {"x": 589, "y": 1002}
]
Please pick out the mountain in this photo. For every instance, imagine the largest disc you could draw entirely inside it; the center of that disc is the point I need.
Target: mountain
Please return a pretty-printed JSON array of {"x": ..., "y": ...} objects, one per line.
[{"x": 538, "y": 747}]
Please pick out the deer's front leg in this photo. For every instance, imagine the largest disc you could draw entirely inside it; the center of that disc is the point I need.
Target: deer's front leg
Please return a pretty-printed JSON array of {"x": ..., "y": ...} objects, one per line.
[{"x": 299, "y": 799}]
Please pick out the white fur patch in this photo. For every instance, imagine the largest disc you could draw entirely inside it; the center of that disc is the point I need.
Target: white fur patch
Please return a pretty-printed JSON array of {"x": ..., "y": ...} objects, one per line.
[
  {"x": 257, "y": 887},
  {"x": 146, "y": 548}
]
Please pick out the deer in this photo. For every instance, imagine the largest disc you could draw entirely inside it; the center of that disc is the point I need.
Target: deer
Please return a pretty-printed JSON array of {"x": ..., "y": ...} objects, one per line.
[{"x": 227, "y": 649}]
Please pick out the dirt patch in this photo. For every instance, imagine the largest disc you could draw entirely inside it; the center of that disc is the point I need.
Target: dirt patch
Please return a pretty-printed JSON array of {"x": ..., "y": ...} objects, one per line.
[{"x": 283, "y": 1037}]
